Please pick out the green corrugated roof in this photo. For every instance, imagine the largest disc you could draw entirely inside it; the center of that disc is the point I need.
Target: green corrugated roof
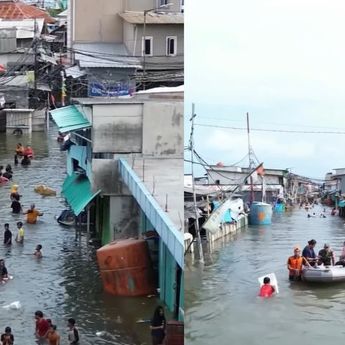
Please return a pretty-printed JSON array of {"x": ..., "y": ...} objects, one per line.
[
  {"x": 341, "y": 203},
  {"x": 77, "y": 191},
  {"x": 69, "y": 119}
]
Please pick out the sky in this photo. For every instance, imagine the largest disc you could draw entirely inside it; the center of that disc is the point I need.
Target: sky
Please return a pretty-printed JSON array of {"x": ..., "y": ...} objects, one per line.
[{"x": 281, "y": 61}]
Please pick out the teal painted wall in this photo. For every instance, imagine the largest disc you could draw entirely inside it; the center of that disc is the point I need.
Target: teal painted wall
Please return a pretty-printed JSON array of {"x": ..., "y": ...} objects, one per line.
[
  {"x": 167, "y": 277},
  {"x": 145, "y": 224},
  {"x": 181, "y": 307},
  {"x": 82, "y": 155}
]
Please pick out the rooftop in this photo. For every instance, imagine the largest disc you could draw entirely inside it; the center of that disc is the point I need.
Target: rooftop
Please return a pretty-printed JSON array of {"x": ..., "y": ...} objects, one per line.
[
  {"x": 19, "y": 10},
  {"x": 152, "y": 17},
  {"x": 110, "y": 55},
  {"x": 158, "y": 95},
  {"x": 163, "y": 178}
]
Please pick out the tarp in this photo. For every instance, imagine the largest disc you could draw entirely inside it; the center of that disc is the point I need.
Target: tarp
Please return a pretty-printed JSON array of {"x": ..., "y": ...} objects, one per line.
[{"x": 77, "y": 191}]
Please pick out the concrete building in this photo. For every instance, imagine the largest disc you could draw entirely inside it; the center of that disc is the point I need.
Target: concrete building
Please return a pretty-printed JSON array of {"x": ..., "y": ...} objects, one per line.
[
  {"x": 107, "y": 39},
  {"x": 229, "y": 177},
  {"x": 126, "y": 163}
]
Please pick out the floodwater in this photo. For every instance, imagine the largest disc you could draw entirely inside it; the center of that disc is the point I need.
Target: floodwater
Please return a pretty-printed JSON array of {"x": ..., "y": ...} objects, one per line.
[
  {"x": 65, "y": 282},
  {"x": 222, "y": 306}
]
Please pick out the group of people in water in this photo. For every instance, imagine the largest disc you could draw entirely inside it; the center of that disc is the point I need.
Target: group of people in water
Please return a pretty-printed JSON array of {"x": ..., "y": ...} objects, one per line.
[
  {"x": 309, "y": 258},
  {"x": 305, "y": 258},
  {"x": 46, "y": 332},
  {"x": 24, "y": 152}
]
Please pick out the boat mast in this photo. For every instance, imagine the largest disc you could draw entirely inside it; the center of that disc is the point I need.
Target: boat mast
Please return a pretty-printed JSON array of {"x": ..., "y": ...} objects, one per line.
[
  {"x": 251, "y": 162},
  {"x": 191, "y": 147}
]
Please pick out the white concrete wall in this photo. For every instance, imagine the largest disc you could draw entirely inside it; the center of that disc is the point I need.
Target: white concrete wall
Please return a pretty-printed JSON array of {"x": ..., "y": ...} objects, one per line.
[
  {"x": 97, "y": 21},
  {"x": 225, "y": 177},
  {"x": 159, "y": 34},
  {"x": 105, "y": 176},
  {"x": 117, "y": 128},
  {"x": 124, "y": 217},
  {"x": 163, "y": 129},
  {"x": 141, "y": 5}
]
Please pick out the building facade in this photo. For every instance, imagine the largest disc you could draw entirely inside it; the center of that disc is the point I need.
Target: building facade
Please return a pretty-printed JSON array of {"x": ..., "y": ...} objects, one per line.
[{"x": 121, "y": 155}]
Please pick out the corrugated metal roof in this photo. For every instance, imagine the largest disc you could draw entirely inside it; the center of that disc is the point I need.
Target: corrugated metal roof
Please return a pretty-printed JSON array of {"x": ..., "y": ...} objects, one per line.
[
  {"x": 19, "y": 80},
  {"x": 74, "y": 72},
  {"x": 69, "y": 119},
  {"x": 77, "y": 191},
  {"x": 152, "y": 17},
  {"x": 111, "y": 55},
  {"x": 24, "y": 28}
]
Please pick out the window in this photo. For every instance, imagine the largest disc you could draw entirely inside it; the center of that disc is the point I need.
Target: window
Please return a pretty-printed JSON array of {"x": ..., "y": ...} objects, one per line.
[
  {"x": 147, "y": 46},
  {"x": 171, "y": 45},
  {"x": 163, "y": 2},
  {"x": 182, "y": 6}
]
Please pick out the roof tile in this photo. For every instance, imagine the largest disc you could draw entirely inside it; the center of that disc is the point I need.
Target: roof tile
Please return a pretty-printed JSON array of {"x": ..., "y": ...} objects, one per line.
[{"x": 20, "y": 10}]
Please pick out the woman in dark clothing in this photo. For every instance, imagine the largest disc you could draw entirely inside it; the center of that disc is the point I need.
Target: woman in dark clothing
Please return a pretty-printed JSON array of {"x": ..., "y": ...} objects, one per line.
[
  {"x": 158, "y": 323},
  {"x": 26, "y": 160}
]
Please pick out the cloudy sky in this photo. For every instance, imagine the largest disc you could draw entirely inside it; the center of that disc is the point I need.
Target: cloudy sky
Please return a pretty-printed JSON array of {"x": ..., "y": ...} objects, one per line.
[{"x": 283, "y": 62}]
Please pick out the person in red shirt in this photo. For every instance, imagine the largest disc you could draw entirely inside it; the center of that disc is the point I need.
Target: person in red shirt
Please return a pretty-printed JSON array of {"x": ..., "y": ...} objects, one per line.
[
  {"x": 267, "y": 289},
  {"x": 28, "y": 152},
  {"x": 42, "y": 328}
]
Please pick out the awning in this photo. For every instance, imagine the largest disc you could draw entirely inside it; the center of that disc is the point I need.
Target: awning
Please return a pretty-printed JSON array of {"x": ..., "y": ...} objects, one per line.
[
  {"x": 341, "y": 203},
  {"x": 77, "y": 191},
  {"x": 69, "y": 119}
]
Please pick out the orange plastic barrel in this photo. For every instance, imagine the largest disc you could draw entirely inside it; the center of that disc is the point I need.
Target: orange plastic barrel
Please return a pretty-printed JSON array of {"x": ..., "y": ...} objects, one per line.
[{"x": 126, "y": 268}]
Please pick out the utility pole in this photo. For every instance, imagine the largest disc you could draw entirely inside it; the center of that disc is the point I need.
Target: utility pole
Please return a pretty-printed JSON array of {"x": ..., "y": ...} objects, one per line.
[
  {"x": 250, "y": 162},
  {"x": 144, "y": 47},
  {"x": 35, "y": 61},
  {"x": 191, "y": 147}
]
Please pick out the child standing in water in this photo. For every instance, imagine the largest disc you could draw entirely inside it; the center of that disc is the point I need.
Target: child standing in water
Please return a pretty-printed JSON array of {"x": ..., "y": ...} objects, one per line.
[
  {"x": 20, "y": 234},
  {"x": 38, "y": 252}
]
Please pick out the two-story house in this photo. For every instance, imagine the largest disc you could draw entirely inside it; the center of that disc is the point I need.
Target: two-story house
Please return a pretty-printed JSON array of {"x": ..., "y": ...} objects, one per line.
[{"x": 107, "y": 40}]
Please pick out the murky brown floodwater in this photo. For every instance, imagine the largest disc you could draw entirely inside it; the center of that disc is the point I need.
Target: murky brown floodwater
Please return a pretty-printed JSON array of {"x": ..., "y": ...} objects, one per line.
[
  {"x": 222, "y": 306},
  {"x": 65, "y": 283}
]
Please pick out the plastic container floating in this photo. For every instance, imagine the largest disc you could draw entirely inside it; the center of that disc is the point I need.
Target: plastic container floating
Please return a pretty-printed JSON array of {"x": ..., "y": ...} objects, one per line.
[{"x": 260, "y": 213}]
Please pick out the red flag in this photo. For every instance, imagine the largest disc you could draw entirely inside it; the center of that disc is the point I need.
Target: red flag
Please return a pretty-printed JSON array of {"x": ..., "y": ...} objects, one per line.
[{"x": 260, "y": 170}]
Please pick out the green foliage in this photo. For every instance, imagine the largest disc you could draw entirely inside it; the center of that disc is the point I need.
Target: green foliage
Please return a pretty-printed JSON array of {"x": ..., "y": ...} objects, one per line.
[{"x": 53, "y": 12}]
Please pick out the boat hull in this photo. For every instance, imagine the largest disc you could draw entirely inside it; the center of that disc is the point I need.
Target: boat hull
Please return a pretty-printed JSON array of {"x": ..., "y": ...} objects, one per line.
[
  {"x": 260, "y": 214},
  {"x": 324, "y": 274}
]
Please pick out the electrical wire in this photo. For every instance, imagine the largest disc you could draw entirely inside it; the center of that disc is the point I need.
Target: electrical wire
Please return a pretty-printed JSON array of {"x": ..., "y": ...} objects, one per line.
[{"x": 269, "y": 130}]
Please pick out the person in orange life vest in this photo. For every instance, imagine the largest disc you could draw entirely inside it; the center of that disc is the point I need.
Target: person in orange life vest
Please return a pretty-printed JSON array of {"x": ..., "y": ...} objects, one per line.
[
  {"x": 32, "y": 214},
  {"x": 267, "y": 289},
  {"x": 295, "y": 263}
]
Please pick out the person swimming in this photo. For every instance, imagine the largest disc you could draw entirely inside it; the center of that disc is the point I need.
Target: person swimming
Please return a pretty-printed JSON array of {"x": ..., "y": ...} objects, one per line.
[{"x": 38, "y": 252}]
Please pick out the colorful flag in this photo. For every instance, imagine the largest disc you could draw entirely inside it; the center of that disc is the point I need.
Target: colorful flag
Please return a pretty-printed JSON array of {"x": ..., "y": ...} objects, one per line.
[{"x": 260, "y": 170}]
